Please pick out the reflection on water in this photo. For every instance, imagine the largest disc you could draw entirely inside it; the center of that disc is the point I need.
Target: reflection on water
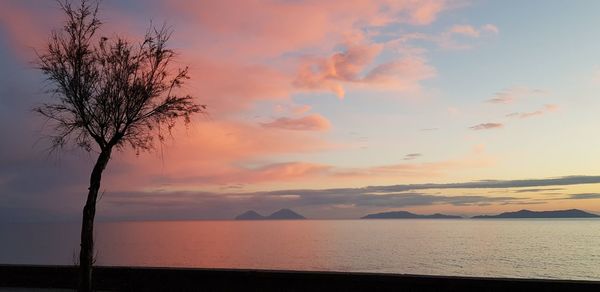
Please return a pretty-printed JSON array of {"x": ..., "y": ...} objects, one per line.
[{"x": 568, "y": 249}]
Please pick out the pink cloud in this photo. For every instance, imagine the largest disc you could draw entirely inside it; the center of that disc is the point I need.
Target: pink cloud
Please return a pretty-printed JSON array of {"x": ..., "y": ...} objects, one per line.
[
  {"x": 209, "y": 152},
  {"x": 551, "y": 107},
  {"x": 466, "y": 30},
  {"x": 292, "y": 109},
  {"x": 229, "y": 72},
  {"x": 301, "y": 109},
  {"x": 426, "y": 12},
  {"x": 278, "y": 172},
  {"x": 240, "y": 176},
  {"x": 261, "y": 28},
  {"x": 471, "y": 31},
  {"x": 350, "y": 68},
  {"x": 401, "y": 74},
  {"x": 477, "y": 158},
  {"x": 25, "y": 23},
  {"x": 28, "y": 23},
  {"x": 267, "y": 30},
  {"x": 404, "y": 170},
  {"x": 490, "y": 28},
  {"x": 425, "y": 170},
  {"x": 233, "y": 87},
  {"x": 329, "y": 73},
  {"x": 448, "y": 39},
  {"x": 312, "y": 122},
  {"x": 195, "y": 174},
  {"x": 242, "y": 53}
]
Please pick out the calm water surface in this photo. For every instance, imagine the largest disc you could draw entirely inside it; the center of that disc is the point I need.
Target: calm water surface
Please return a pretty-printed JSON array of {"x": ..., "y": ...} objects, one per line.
[{"x": 564, "y": 249}]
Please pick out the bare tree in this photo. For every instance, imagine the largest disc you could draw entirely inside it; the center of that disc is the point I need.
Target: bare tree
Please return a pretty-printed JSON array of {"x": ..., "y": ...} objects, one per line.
[{"x": 108, "y": 93}]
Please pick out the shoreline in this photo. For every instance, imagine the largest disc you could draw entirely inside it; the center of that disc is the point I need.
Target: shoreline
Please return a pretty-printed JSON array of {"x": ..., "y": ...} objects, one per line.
[{"x": 193, "y": 279}]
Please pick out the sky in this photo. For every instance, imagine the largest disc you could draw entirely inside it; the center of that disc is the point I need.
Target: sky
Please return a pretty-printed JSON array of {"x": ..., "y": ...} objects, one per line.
[{"x": 335, "y": 109}]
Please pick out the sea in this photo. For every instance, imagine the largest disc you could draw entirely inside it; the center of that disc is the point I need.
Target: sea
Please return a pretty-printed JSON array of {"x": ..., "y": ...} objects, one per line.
[{"x": 515, "y": 248}]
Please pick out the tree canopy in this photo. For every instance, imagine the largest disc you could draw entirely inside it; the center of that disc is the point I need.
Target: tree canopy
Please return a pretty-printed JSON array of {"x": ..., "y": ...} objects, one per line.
[{"x": 108, "y": 90}]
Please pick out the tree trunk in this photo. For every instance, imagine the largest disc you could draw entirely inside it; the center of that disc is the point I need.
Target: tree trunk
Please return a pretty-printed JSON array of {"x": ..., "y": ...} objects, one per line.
[{"x": 86, "y": 252}]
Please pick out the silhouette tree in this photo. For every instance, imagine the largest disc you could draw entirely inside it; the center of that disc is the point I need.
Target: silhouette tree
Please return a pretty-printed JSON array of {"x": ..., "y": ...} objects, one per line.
[{"x": 108, "y": 93}]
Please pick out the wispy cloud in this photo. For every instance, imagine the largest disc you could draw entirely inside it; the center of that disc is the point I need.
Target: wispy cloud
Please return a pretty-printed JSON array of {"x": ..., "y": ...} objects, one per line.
[
  {"x": 584, "y": 196},
  {"x": 512, "y": 94},
  {"x": 537, "y": 190},
  {"x": 490, "y": 28},
  {"x": 448, "y": 39},
  {"x": 490, "y": 184},
  {"x": 466, "y": 30},
  {"x": 453, "y": 38},
  {"x": 471, "y": 31},
  {"x": 523, "y": 115},
  {"x": 412, "y": 156},
  {"x": 486, "y": 126}
]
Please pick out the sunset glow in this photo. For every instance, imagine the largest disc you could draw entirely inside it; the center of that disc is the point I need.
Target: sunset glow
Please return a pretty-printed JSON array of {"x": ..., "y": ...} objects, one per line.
[{"x": 333, "y": 108}]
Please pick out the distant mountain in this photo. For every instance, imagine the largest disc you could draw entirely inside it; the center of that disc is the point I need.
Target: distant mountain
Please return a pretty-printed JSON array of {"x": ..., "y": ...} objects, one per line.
[
  {"x": 250, "y": 215},
  {"x": 572, "y": 213},
  {"x": 407, "y": 215},
  {"x": 283, "y": 214}
]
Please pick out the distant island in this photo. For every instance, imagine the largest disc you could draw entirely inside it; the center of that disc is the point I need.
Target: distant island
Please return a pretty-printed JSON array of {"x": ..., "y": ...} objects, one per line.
[
  {"x": 408, "y": 215},
  {"x": 287, "y": 214},
  {"x": 572, "y": 213},
  {"x": 283, "y": 214},
  {"x": 249, "y": 215}
]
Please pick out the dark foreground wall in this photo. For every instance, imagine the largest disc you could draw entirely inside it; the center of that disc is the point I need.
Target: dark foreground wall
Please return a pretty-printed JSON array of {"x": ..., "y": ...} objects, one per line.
[{"x": 169, "y": 279}]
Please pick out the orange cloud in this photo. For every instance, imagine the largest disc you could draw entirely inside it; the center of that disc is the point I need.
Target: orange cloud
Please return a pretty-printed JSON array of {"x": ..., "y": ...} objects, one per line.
[{"x": 312, "y": 122}]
